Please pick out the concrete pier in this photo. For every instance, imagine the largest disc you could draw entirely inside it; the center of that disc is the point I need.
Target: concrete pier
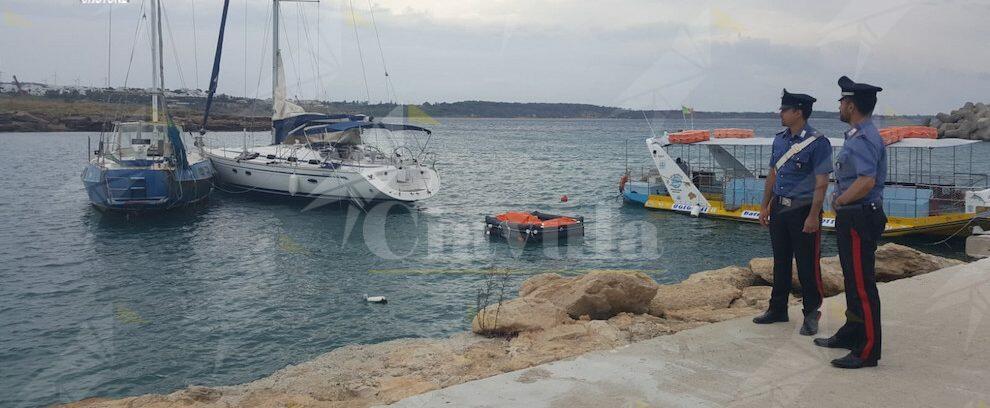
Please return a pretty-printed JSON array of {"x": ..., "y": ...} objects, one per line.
[{"x": 936, "y": 352}]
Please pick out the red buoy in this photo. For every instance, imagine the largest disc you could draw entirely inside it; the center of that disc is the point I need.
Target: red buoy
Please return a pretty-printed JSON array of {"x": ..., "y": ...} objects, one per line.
[{"x": 563, "y": 198}]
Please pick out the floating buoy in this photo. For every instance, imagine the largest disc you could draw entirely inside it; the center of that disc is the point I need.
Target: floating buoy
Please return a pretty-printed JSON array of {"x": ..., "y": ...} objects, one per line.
[
  {"x": 375, "y": 299},
  {"x": 563, "y": 198}
]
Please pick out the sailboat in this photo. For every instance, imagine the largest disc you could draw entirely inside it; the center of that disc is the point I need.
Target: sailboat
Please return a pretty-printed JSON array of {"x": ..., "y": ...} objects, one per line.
[
  {"x": 144, "y": 166},
  {"x": 326, "y": 156}
]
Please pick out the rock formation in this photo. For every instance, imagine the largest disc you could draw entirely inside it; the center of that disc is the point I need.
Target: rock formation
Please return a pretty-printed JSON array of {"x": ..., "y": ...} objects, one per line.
[
  {"x": 597, "y": 294},
  {"x": 972, "y": 121},
  {"x": 893, "y": 262},
  {"x": 555, "y": 317}
]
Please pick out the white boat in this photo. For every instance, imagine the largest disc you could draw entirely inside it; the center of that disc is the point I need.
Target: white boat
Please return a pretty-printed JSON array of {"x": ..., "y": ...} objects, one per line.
[{"x": 326, "y": 156}]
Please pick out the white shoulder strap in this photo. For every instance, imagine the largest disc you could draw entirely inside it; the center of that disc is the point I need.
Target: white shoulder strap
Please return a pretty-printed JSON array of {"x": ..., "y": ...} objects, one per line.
[{"x": 795, "y": 149}]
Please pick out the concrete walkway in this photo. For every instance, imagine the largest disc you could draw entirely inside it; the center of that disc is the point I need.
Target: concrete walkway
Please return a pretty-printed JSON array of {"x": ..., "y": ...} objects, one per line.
[{"x": 936, "y": 352}]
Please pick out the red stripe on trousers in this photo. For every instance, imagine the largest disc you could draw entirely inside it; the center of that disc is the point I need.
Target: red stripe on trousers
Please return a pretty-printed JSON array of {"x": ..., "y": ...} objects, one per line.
[
  {"x": 818, "y": 264},
  {"x": 857, "y": 249}
]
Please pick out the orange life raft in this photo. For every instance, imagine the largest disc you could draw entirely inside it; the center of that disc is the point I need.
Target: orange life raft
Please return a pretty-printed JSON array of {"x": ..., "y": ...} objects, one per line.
[{"x": 533, "y": 226}]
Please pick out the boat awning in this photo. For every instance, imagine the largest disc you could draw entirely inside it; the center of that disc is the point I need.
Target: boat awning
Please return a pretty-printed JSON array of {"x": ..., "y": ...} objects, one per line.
[
  {"x": 838, "y": 142},
  {"x": 342, "y": 126}
]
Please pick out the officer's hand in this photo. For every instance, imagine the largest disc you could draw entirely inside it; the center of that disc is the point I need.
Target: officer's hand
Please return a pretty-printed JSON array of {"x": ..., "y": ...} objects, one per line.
[
  {"x": 811, "y": 225},
  {"x": 765, "y": 216}
]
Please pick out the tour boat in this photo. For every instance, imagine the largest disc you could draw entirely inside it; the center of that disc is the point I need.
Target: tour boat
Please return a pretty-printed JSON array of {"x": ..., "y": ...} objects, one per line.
[{"x": 931, "y": 185}]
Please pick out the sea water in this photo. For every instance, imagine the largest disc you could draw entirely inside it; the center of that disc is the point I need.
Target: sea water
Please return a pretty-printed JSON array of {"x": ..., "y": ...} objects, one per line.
[{"x": 99, "y": 305}]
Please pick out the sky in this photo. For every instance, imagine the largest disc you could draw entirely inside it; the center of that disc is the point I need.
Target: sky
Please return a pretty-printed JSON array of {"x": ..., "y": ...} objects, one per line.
[{"x": 710, "y": 55}]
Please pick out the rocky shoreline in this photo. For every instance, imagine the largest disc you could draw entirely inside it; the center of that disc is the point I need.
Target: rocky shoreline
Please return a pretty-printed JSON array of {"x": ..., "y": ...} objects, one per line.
[
  {"x": 553, "y": 318},
  {"x": 21, "y": 121},
  {"x": 34, "y": 114}
]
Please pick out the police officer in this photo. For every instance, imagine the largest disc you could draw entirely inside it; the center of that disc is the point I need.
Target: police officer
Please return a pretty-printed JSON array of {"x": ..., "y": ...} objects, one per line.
[
  {"x": 860, "y": 173},
  {"x": 800, "y": 163}
]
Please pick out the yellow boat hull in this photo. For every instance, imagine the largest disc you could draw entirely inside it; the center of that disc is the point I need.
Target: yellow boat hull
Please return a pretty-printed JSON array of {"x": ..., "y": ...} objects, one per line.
[{"x": 896, "y": 226}]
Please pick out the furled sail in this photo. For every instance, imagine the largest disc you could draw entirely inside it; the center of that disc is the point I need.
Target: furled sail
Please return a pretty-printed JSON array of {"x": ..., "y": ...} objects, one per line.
[{"x": 283, "y": 108}]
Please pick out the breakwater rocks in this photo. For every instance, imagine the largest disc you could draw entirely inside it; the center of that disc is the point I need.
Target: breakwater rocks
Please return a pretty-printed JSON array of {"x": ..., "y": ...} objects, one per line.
[
  {"x": 553, "y": 318},
  {"x": 972, "y": 121},
  {"x": 22, "y": 121}
]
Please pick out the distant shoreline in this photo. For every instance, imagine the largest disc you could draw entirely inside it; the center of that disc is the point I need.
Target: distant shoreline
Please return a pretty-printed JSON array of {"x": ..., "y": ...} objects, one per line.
[{"x": 90, "y": 112}]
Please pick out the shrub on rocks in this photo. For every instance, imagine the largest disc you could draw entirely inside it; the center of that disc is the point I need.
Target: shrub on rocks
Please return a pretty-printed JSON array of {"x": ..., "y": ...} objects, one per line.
[{"x": 518, "y": 315}]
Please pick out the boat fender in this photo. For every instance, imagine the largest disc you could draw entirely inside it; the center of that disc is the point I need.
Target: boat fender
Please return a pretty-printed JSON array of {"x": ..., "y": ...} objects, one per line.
[
  {"x": 293, "y": 184},
  {"x": 696, "y": 211},
  {"x": 375, "y": 299}
]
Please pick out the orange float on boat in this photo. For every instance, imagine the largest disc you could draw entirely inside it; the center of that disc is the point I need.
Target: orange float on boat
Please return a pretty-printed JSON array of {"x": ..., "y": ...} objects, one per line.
[
  {"x": 525, "y": 226},
  {"x": 890, "y": 136},
  {"x": 918, "y": 132},
  {"x": 689, "y": 136},
  {"x": 733, "y": 133}
]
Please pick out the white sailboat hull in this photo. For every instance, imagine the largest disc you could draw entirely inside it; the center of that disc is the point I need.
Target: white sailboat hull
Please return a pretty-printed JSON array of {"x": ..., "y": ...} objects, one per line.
[{"x": 368, "y": 182}]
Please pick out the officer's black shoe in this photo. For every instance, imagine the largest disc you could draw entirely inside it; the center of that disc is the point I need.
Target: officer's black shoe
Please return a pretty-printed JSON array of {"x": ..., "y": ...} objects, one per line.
[
  {"x": 831, "y": 342},
  {"x": 770, "y": 317},
  {"x": 852, "y": 361},
  {"x": 810, "y": 325}
]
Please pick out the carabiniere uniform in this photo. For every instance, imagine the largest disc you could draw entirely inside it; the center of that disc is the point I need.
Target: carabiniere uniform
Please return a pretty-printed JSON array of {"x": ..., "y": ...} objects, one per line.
[
  {"x": 858, "y": 228},
  {"x": 793, "y": 191}
]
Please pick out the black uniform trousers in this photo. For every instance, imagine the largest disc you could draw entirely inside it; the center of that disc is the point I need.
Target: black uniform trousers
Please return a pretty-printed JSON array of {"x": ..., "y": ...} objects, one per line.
[
  {"x": 791, "y": 244},
  {"x": 857, "y": 231}
]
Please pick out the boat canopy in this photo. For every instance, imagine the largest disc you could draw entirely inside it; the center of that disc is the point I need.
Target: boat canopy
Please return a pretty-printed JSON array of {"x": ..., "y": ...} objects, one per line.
[
  {"x": 293, "y": 125},
  {"x": 838, "y": 142},
  {"x": 343, "y": 126}
]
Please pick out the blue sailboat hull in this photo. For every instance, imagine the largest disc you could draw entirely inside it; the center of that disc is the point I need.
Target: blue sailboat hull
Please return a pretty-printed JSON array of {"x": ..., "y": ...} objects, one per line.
[{"x": 147, "y": 189}]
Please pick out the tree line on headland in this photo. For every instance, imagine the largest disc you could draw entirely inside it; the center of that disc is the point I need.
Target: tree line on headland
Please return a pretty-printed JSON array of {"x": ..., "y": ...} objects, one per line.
[{"x": 95, "y": 109}]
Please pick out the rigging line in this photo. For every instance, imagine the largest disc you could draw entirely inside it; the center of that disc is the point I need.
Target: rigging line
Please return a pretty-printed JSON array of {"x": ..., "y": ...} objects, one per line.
[
  {"x": 130, "y": 62},
  {"x": 264, "y": 49},
  {"x": 195, "y": 42},
  {"x": 137, "y": 30},
  {"x": 319, "y": 76},
  {"x": 389, "y": 88},
  {"x": 292, "y": 60},
  {"x": 357, "y": 39},
  {"x": 245, "y": 84},
  {"x": 109, "y": 50},
  {"x": 175, "y": 51},
  {"x": 109, "y": 39},
  {"x": 301, "y": 22},
  {"x": 312, "y": 45}
]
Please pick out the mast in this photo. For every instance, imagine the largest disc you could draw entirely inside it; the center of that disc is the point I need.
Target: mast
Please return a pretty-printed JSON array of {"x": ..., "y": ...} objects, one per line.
[
  {"x": 157, "y": 71},
  {"x": 275, "y": 49},
  {"x": 275, "y": 57},
  {"x": 215, "y": 74}
]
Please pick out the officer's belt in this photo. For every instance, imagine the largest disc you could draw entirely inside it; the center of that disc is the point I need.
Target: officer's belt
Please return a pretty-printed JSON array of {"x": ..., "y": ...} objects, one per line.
[
  {"x": 793, "y": 202},
  {"x": 872, "y": 205}
]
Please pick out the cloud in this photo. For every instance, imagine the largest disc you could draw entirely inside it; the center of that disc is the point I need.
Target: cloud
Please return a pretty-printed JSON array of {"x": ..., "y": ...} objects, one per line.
[{"x": 713, "y": 55}]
